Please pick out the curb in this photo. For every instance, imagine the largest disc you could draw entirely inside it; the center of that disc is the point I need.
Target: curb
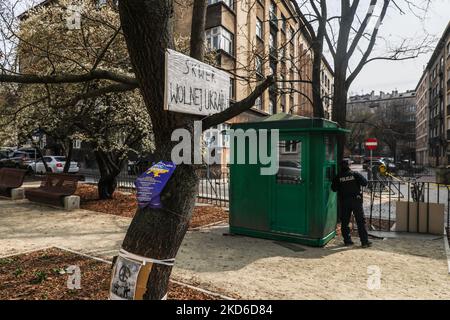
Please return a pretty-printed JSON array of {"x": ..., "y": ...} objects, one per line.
[{"x": 447, "y": 249}]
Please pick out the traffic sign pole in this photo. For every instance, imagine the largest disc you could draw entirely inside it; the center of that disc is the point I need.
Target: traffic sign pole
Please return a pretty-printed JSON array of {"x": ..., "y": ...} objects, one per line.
[
  {"x": 371, "y": 164},
  {"x": 371, "y": 144}
]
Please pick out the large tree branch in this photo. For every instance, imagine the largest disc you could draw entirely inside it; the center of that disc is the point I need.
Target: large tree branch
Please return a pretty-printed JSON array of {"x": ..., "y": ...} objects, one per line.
[
  {"x": 305, "y": 21},
  {"x": 238, "y": 107},
  {"x": 362, "y": 28},
  {"x": 198, "y": 29},
  {"x": 371, "y": 45},
  {"x": 115, "y": 88},
  {"x": 68, "y": 78}
]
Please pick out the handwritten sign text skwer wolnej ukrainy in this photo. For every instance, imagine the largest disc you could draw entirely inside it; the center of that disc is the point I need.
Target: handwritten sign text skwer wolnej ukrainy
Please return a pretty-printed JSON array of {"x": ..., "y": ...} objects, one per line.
[{"x": 195, "y": 87}]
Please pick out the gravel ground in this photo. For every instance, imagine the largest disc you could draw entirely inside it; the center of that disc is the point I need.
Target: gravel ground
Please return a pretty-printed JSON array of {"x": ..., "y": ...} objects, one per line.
[
  {"x": 262, "y": 269},
  {"x": 42, "y": 275},
  {"x": 250, "y": 268}
]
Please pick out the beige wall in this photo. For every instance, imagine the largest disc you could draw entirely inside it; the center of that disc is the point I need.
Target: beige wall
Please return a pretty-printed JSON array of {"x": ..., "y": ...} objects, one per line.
[
  {"x": 242, "y": 23},
  {"x": 422, "y": 120}
]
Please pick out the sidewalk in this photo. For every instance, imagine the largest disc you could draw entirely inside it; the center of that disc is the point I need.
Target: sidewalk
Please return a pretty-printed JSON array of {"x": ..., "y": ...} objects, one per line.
[
  {"x": 262, "y": 269},
  {"x": 25, "y": 226},
  {"x": 251, "y": 268}
]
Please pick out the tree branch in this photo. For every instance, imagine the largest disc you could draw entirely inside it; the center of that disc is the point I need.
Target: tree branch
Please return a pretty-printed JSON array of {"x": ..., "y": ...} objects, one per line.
[
  {"x": 115, "y": 88},
  {"x": 362, "y": 28},
  {"x": 371, "y": 45},
  {"x": 68, "y": 78},
  {"x": 238, "y": 107}
]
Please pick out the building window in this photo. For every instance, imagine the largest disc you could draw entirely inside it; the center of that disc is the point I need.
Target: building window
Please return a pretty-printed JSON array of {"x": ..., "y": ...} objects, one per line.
[
  {"x": 219, "y": 38},
  {"x": 259, "y": 29},
  {"x": 290, "y": 163},
  {"x": 76, "y": 144},
  {"x": 101, "y": 3},
  {"x": 273, "y": 13},
  {"x": 273, "y": 104},
  {"x": 283, "y": 103},
  {"x": 229, "y": 3},
  {"x": 292, "y": 36},
  {"x": 273, "y": 43},
  {"x": 232, "y": 92},
  {"x": 224, "y": 138},
  {"x": 258, "y": 103},
  {"x": 273, "y": 67},
  {"x": 291, "y": 104},
  {"x": 289, "y": 147},
  {"x": 259, "y": 65},
  {"x": 283, "y": 23}
]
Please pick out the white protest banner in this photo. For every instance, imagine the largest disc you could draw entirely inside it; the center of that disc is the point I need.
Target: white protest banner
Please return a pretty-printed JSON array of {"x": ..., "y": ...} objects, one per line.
[{"x": 195, "y": 87}]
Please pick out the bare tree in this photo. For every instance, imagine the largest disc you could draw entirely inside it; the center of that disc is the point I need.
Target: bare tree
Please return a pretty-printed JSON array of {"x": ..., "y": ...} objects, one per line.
[
  {"x": 147, "y": 27},
  {"x": 351, "y": 40}
]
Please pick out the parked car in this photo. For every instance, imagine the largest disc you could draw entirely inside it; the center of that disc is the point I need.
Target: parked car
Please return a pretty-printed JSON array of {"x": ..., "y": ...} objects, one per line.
[
  {"x": 33, "y": 153},
  {"x": 391, "y": 167},
  {"x": 390, "y": 164},
  {"x": 18, "y": 159},
  {"x": 357, "y": 159},
  {"x": 6, "y": 153},
  {"x": 290, "y": 171},
  {"x": 375, "y": 162},
  {"x": 55, "y": 164}
]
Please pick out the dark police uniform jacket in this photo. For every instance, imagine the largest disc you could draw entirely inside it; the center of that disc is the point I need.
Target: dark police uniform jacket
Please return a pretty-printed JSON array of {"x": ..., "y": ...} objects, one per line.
[{"x": 348, "y": 184}]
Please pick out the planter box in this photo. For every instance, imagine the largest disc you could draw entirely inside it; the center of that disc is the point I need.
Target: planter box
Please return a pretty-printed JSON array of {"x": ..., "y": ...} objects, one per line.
[{"x": 435, "y": 217}]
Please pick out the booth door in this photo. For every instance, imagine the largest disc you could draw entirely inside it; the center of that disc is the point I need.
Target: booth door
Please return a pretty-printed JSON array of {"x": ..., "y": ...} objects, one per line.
[{"x": 290, "y": 186}]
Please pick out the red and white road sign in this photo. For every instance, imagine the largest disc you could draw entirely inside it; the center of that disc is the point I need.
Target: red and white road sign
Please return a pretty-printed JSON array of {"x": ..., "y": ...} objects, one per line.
[{"x": 371, "y": 144}]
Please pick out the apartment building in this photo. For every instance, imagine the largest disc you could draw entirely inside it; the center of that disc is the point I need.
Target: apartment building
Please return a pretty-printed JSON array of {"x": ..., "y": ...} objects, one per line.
[
  {"x": 422, "y": 101},
  {"x": 327, "y": 89},
  {"x": 436, "y": 81},
  {"x": 257, "y": 38},
  {"x": 390, "y": 117}
]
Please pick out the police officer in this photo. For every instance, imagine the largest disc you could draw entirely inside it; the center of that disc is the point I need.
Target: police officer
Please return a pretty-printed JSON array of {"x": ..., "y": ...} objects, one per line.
[{"x": 348, "y": 186}]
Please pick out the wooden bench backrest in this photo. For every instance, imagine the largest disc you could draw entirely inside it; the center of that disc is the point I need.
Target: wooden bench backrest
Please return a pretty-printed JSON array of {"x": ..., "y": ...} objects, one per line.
[
  {"x": 12, "y": 178},
  {"x": 61, "y": 183}
]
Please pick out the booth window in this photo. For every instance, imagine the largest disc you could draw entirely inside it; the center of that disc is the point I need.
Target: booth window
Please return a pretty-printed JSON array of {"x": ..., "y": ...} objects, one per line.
[
  {"x": 330, "y": 151},
  {"x": 290, "y": 162}
]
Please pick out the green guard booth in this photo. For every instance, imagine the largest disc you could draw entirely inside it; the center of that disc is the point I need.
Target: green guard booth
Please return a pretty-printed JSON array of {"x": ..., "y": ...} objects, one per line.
[{"x": 297, "y": 204}]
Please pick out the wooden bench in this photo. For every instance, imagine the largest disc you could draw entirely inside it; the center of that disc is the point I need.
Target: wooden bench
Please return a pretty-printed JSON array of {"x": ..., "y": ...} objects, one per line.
[
  {"x": 11, "y": 179},
  {"x": 55, "y": 189}
]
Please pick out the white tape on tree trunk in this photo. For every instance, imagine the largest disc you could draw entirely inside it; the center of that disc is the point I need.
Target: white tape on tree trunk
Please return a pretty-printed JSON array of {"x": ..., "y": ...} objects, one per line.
[{"x": 127, "y": 255}]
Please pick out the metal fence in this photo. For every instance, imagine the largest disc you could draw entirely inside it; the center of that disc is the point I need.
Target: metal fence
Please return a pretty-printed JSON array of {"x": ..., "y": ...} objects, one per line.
[
  {"x": 125, "y": 181},
  {"x": 213, "y": 185},
  {"x": 382, "y": 199}
]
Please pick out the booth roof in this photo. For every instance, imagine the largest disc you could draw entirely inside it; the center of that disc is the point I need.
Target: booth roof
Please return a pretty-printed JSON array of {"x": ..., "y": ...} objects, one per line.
[{"x": 292, "y": 122}]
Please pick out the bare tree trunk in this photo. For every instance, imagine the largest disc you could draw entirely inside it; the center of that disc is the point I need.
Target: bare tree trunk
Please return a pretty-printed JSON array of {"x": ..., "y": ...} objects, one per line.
[
  {"x": 109, "y": 170},
  {"x": 317, "y": 46},
  {"x": 68, "y": 157},
  {"x": 197, "y": 29},
  {"x": 340, "y": 109},
  {"x": 158, "y": 233}
]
